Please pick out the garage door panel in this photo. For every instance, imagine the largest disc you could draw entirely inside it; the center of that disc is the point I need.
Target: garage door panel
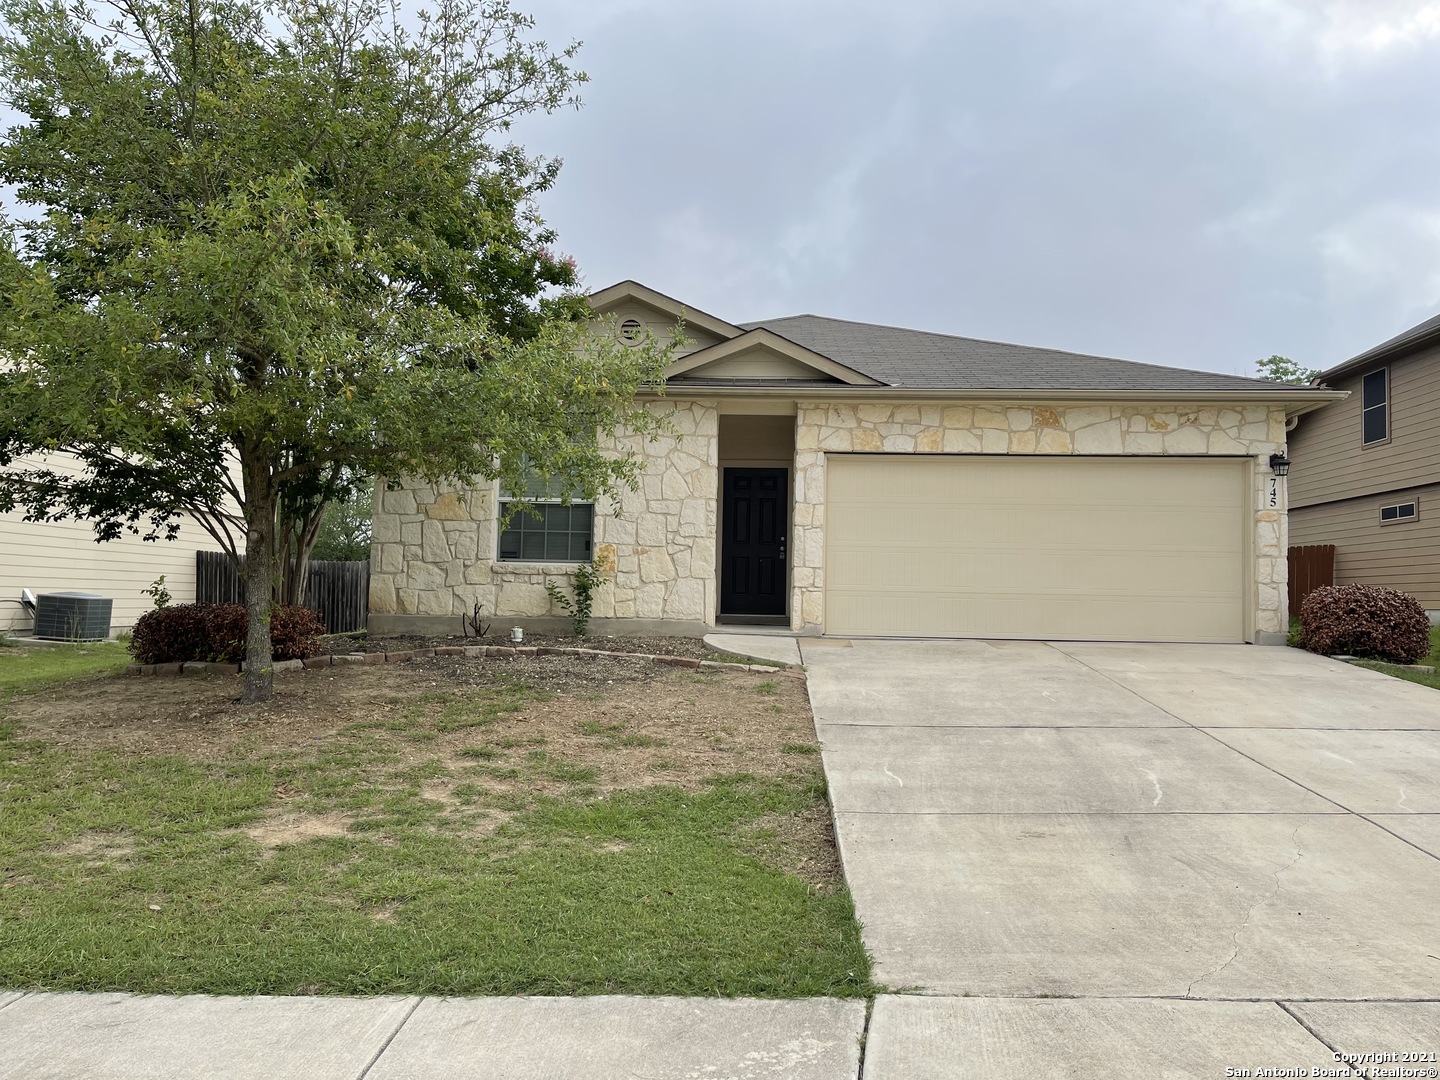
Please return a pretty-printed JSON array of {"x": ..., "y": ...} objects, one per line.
[
  {"x": 1101, "y": 549},
  {"x": 1056, "y": 529},
  {"x": 1089, "y": 574}
]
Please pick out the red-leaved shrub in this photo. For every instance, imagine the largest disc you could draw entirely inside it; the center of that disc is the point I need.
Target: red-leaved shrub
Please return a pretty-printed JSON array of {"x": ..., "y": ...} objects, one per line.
[
  {"x": 1365, "y": 621},
  {"x": 170, "y": 634},
  {"x": 217, "y": 632},
  {"x": 295, "y": 633},
  {"x": 226, "y": 626}
]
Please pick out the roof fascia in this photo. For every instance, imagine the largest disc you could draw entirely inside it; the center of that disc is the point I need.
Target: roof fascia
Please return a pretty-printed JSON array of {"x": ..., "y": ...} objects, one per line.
[
  {"x": 1381, "y": 354},
  {"x": 762, "y": 338},
  {"x": 1296, "y": 401},
  {"x": 632, "y": 290}
]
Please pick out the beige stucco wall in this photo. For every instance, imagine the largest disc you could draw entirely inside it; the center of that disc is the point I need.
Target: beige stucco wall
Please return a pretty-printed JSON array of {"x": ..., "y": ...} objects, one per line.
[
  {"x": 996, "y": 428},
  {"x": 433, "y": 551}
]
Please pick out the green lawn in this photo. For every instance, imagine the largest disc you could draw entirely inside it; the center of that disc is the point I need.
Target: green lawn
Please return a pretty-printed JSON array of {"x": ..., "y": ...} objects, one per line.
[
  {"x": 1431, "y": 679},
  {"x": 132, "y": 871},
  {"x": 36, "y": 667}
]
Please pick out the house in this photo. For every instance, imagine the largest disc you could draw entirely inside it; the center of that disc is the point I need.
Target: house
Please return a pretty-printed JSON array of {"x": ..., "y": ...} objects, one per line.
[
  {"x": 1367, "y": 470},
  {"x": 840, "y": 478},
  {"x": 62, "y": 556}
]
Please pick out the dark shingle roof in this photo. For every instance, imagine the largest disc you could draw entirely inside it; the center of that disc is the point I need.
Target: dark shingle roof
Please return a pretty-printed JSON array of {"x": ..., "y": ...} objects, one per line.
[
  {"x": 922, "y": 360},
  {"x": 1417, "y": 336}
]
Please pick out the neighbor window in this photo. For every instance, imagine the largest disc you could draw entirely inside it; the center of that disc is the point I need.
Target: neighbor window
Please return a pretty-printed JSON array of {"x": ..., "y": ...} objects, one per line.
[
  {"x": 549, "y": 531},
  {"x": 1375, "y": 405},
  {"x": 1390, "y": 515}
]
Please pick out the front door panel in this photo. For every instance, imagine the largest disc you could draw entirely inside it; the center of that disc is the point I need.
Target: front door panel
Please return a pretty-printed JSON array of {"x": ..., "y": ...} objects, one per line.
[{"x": 752, "y": 551}]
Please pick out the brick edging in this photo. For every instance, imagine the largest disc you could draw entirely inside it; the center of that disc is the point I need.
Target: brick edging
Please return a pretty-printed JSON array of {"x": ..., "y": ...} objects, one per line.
[{"x": 473, "y": 652}]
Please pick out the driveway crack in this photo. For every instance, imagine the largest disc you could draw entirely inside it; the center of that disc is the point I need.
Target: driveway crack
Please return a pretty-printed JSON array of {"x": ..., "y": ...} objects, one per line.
[{"x": 1235, "y": 938}]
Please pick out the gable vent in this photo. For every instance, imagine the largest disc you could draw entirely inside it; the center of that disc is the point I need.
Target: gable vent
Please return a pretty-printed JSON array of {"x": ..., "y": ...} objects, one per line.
[{"x": 631, "y": 331}]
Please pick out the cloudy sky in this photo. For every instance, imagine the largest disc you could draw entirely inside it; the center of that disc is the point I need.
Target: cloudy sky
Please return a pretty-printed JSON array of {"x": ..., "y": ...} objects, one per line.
[{"x": 1192, "y": 182}]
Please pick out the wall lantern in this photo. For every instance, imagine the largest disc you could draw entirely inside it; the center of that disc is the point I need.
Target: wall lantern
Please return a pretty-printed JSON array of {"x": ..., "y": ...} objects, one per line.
[{"x": 1280, "y": 464}]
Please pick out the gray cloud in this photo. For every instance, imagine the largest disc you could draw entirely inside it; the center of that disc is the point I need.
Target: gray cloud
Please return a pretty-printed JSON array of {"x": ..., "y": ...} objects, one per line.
[{"x": 1199, "y": 184}]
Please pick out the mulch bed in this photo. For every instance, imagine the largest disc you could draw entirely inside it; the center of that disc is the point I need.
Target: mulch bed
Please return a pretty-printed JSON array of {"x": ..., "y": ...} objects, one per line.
[{"x": 692, "y": 648}]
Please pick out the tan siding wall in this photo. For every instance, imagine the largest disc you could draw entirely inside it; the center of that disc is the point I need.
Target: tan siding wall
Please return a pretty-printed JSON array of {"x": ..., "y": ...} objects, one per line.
[
  {"x": 662, "y": 326},
  {"x": 1331, "y": 463},
  {"x": 757, "y": 440},
  {"x": 64, "y": 557},
  {"x": 754, "y": 364},
  {"x": 1404, "y": 556}
]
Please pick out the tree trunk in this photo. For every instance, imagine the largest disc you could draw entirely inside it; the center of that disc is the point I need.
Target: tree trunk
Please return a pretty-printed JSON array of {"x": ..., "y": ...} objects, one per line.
[{"x": 259, "y": 588}]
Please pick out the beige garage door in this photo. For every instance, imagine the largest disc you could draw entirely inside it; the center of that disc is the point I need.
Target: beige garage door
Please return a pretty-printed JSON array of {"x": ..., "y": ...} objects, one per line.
[{"x": 1098, "y": 549}]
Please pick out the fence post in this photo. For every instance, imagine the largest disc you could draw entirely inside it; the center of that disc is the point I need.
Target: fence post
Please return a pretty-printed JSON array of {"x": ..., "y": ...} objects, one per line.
[{"x": 1311, "y": 567}]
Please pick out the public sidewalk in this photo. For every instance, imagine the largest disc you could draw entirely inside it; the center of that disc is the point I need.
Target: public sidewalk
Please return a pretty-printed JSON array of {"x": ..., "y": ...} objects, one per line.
[
  {"x": 125, "y": 1037},
  {"x": 907, "y": 1037}
]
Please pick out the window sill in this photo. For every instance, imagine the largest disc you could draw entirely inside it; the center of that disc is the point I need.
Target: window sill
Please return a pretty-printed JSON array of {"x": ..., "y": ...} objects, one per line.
[{"x": 534, "y": 567}]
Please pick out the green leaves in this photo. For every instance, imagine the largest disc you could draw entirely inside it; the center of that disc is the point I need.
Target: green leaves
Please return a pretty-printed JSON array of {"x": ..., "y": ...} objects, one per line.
[
  {"x": 1284, "y": 370},
  {"x": 275, "y": 247}
]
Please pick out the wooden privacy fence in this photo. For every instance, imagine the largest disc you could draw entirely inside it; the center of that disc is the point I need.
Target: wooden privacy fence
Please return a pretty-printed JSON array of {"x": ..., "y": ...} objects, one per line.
[
  {"x": 338, "y": 591},
  {"x": 1311, "y": 566}
]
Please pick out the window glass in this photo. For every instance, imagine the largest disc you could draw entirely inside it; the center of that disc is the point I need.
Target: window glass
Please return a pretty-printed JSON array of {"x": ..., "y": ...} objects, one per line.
[
  {"x": 1374, "y": 389},
  {"x": 1399, "y": 512},
  {"x": 1374, "y": 424},
  {"x": 549, "y": 532},
  {"x": 1375, "y": 415},
  {"x": 537, "y": 488}
]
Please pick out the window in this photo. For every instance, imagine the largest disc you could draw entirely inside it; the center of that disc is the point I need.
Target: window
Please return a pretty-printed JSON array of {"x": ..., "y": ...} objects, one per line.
[
  {"x": 549, "y": 531},
  {"x": 1375, "y": 407},
  {"x": 1391, "y": 515}
]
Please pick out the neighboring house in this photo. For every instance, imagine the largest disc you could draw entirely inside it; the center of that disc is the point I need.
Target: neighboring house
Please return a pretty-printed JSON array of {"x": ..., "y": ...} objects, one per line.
[
  {"x": 47, "y": 557},
  {"x": 1367, "y": 470},
  {"x": 847, "y": 479}
]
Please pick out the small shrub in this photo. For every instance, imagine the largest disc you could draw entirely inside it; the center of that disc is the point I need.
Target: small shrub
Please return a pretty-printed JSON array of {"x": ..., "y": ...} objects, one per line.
[
  {"x": 1365, "y": 621},
  {"x": 158, "y": 593},
  {"x": 586, "y": 579},
  {"x": 226, "y": 628},
  {"x": 169, "y": 635},
  {"x": 217, "y": 632},
  {"x": 295, "y": 633}
]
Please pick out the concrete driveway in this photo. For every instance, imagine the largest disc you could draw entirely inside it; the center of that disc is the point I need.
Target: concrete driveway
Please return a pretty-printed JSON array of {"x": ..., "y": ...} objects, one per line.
[{"x": 1250, "y": 826}]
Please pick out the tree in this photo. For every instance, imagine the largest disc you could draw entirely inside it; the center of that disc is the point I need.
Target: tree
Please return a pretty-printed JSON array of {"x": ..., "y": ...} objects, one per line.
[
  {"x": 344, "y": 532},
  {"x": 1284, "y": 370},
  {"x": 279, "y": 245}
]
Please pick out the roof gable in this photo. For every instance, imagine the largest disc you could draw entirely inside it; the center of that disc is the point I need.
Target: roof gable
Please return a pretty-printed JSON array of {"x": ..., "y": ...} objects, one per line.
[
  {"x": 761, "y": 355},
  {"x": 608, "y": 299}
]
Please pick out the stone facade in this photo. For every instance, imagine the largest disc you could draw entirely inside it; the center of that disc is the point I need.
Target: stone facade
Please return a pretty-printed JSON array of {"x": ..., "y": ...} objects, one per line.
[
  {"x": 996, "y": 428},
  {"x": 433, "y": 551}
]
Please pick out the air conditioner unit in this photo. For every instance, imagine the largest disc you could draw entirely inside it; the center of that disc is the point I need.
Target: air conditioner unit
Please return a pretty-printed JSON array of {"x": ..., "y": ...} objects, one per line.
[{"x": 72, "y": 616}]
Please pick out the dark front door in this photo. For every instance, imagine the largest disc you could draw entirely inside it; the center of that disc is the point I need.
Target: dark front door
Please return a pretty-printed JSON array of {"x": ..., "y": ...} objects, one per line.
[{"x": 752, "y": 553}]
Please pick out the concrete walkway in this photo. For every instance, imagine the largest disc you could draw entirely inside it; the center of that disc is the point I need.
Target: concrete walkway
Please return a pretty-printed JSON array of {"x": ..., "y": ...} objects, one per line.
[
  {"x": 123, "y": 1037},
  {"x": 1206, "y": 846},
  {"x": 778, "y": 646}
]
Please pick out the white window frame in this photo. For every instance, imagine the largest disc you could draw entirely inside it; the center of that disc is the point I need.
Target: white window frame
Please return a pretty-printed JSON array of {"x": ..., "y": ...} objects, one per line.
[{"x": 1406, "y": 519}]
